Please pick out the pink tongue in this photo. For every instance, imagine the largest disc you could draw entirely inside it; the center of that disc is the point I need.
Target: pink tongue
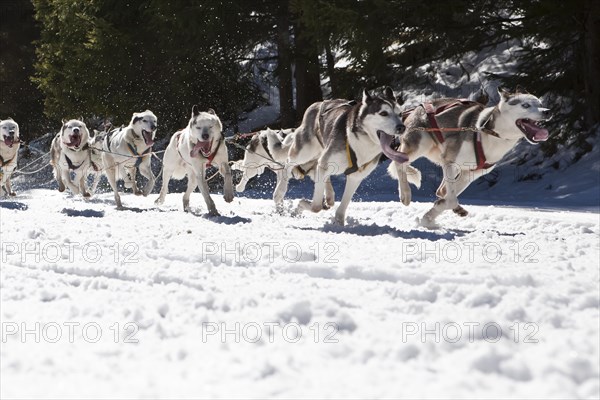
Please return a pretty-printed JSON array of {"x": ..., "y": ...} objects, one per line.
[
  {"x": 148, "y": 138},
  {"x": 200, "y": 146},
  {"x": 539, "y": 134},
  {"x": 386, "y": 140},
  {"x": 9, "y": 142}
]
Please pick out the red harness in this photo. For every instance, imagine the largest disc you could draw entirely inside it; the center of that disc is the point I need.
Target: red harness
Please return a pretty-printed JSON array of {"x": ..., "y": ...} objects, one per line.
[{"x": 437, "y": 131}]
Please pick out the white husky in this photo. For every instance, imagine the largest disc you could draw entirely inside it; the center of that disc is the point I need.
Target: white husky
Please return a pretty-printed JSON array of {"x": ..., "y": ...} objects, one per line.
[
  {"x": 70, "y": 155},
  {"x": 9, "y": 151},
  {"x": 199, "y": 145}
]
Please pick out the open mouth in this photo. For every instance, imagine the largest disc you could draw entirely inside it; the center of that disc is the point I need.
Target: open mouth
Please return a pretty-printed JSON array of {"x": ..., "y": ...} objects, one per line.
[
  {"x": 532, "y": 130},
  {"x": 147, "y": 137},
  {"x": 75, "y": 140},
  {"x": 9, "y": 141},
  {"x": 385, "y": 141},
  {"x": 201, "y": 148}
]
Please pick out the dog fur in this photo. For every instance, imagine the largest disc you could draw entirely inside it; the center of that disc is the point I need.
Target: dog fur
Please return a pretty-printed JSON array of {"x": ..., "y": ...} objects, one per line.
[
  {"x": 188, "y": 153},
  {"x": 514, "y": 118},
  {"x": 9, "y": 153},
  {"x": 127, "y": 149}
]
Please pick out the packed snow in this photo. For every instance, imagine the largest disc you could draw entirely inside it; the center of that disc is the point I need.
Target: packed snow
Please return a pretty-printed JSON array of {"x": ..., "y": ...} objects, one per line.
[{"x": 155, "y": 302}]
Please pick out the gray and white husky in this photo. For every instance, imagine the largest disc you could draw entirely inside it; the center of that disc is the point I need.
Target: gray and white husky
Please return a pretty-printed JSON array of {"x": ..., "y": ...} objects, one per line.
[
  {"x": 490, "y": 133},
  {"x": 9, "y": 152},
  {"x": 190, "y": 151},
  {"x": 269, "y": 149},
  {"x": 345, "y": 137},
  {"x": 71, "y": 156},
  {"x": 127, "y": 149}
]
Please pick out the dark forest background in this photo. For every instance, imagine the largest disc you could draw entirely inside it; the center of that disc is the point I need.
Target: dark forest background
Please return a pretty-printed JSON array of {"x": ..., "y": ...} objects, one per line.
[{"x": 107, "y": 58}]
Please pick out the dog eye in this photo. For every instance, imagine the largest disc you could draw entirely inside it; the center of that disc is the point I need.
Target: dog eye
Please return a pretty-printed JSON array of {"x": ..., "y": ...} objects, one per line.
[
  {"x": 384, "y": 113},
  {"x": 525, "y": 105}
]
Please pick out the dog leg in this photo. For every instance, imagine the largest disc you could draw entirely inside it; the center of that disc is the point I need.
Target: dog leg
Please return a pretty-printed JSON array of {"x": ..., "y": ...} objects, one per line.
[
  {"x": 80, "y": 177},
  {"x": 66, "y": 177},
  {"x": 225, "y": 171},
  {"x": 352, "y": 183},
  {"x": 97, "y": 176},
  {"x": 321, "y": 176},
  {"x": 8, "y": 189},
  {"x": 146, "y": 172},
  {"x": 329, "y": 194},
  {"x": 280, "y": 189},
  {"x": 192, "y": 185},
  {"x": 250, "y": 171},
  {"x": 203, "y": 185},
  {"x": 403, "y": 186},
  {"x": 166, "y": 177},
  {"x": 58, "y": 176},
  {"x": 460, "y": 186},
  {"x": 111, "y": 176},
  {"x": 450, "y": 201}
]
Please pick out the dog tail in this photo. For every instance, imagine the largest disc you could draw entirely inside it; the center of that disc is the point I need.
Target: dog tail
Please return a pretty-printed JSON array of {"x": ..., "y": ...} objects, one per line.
[
  {"x": 278, "y": 146},
  {"x": 413, "y": 174}
]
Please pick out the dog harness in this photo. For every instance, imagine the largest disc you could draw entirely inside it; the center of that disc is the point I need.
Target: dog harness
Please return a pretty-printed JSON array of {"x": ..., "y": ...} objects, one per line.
[
  {"x": 140, "y": 157},
  {"x": 436, "y": 131},
  {"x": 265, "y": 146},
  {"x": 352, "y": 161}
]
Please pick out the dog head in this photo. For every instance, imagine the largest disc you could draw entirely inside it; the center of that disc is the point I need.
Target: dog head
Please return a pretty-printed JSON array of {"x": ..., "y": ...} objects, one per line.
[
  {"x": 381, "y": 114},
  {"x": 74, "y": 133},
  {"x": 10, "y": 132},
  {"x": 526, "y": 111},
  {"x": 205, "y": 130},
  {"x": 144, "y": 126},
  {"x": 96, "y": 144}
]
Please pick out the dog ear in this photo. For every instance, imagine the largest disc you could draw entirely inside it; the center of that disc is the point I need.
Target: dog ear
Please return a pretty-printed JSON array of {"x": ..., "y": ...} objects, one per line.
[
  {"x": 366, "y": 98},
  {"x": 81, "y": 118},
  {"x": 389, "y": 93},
  {"x": 521, "y": 90},
  {"x": 504, "y": 94},
  {"x": 400, "y": 99},
  {"x": 195, "y": 110},
  {"x": 64, "y": 121},
  {"x": 211, "y": 111},
  {"x": 136, "y": 117}
]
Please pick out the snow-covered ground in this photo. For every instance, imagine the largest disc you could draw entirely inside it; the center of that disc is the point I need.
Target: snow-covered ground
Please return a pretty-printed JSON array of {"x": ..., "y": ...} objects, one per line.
[{"x": 154, "y": 302}]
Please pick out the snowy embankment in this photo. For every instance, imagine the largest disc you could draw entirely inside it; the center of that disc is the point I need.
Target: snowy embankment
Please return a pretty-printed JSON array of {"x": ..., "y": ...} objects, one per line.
[{"x": 153, "y": 302}]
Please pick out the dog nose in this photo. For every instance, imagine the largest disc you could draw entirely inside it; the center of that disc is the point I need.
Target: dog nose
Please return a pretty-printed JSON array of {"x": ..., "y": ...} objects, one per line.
[
  {"x": 400, "y": 128},
  {"x": 205, "y": 136},
  {"x": 153, "y": 127},
  {"x": 546, "y": 113},
  {"x": 75, "y": 130}
]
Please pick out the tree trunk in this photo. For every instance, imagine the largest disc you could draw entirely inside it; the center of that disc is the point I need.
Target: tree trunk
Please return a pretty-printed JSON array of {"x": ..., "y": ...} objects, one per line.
[
  {"x": 308, "y": 78},
  {"x": 592, "y": 63},
  {"x": 330, "y": 59},
  {"x": 284, "y": 66}
]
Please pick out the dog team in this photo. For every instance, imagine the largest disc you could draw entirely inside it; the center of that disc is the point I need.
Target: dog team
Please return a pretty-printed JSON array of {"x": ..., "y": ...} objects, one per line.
[{"x": 335, "y": 137}]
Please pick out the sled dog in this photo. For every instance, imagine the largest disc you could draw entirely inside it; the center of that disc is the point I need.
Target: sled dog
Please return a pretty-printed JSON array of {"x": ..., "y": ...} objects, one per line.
[
  {"x": 190, "y": 151},
  {"x": 9, "y": 152},
  {"x": 487, "y": 134},
  {"x": 345, "y": 137},
  {"x": 70, "y": 156},
  {"x": 127, "y": 149}
]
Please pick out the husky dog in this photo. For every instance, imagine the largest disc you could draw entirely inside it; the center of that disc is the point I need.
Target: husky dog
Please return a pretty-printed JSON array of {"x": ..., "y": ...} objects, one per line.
[
  {"x": 269, "y": 149},
  {"x": 9, "y": 151},
  {"x": 490, "y": 133},
  {"x": 345, "y": 137},
  {"x": 70, "y": 155},
  {"x": 127, "y": 149},
  {"x": 191, "y": 151}
]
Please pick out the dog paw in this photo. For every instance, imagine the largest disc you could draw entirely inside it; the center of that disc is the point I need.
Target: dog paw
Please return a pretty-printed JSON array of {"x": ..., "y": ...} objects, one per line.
[
  {"x": 427, "y": 223},
  {"x": 213, "y": 213},
  {"x": 405, "y": 199},
  {"x": 86, "y": 195},
  {"x": 460, "y": 211},
  {"x": 159, "y": 201},
  {"x": 228, "y": 197},
  {"x": 12, "y": 194},
  {"x": 303, "y": 205},
  {"x": 340, "y": 220}
]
